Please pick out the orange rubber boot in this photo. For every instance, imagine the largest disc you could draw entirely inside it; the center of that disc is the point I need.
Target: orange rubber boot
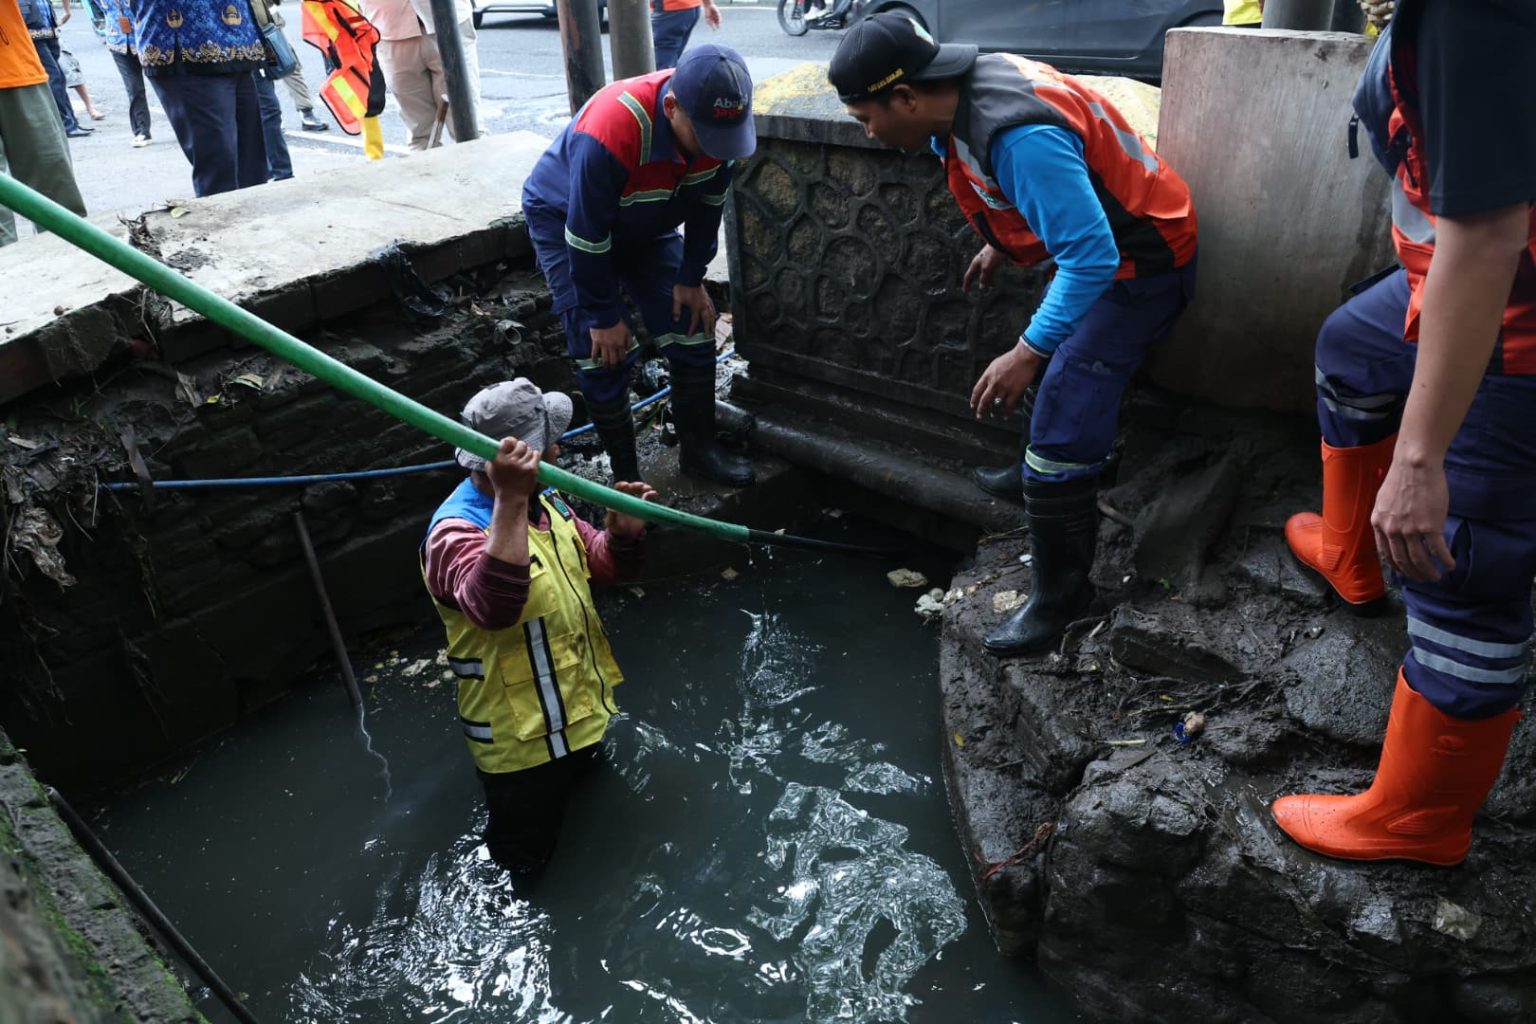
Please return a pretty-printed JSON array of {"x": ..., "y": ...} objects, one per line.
[
  {"x": 1340, "y": 543},
  {"x": 1434, "y": 774}
]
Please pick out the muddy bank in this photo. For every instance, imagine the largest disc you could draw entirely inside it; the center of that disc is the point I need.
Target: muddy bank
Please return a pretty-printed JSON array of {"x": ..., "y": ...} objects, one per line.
[{"x": 1140, "y": 866}]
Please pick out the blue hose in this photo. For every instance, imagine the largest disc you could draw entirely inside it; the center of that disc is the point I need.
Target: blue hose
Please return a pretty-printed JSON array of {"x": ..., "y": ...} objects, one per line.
[{"x": 359, "y": 474}]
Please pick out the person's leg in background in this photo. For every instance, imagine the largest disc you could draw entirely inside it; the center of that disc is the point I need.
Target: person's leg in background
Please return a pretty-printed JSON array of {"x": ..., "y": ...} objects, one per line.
[
  {"x": 605, "y": 392},
  {"x": 298, "y": 89},
  {"x": 251, "y": 164},
  {"x": 132, "y": 74},
  {"x": 1363, "y": 372},
  {"x": 649, "y": 276},
  {"x": 433, "y": 58},
  {"x": 48, "y": 53},
  {"x": 201, "y": 109},
  {"x": 410, "y": 83},
  {"x": 1071, "y": 434},
  {"x": 279, "y": 163},
  {"x": 1454, "y": 704},
  {"x": 669, "y": 34},
  {"x": 33, "y": 150}
]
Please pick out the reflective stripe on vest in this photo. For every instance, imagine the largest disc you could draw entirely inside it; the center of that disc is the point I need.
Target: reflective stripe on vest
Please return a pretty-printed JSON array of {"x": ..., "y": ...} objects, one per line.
[
  {"x": 539, "y": 689},
  {"x": 1147, "y": 204}
]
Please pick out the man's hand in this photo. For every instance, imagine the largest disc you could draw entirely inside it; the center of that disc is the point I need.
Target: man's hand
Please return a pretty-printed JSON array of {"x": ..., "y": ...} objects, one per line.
[
  {"x": 1378, "y": 12},
  {"x": 698, "y": 303},
  {"x": 514, "y": 472},
  {"x": 983, "y": 269},
  {"x": 626, "y": 526},
  {"x": 1002, "y": 384},
  {"x": 1409, "y": 519},
  {"x": 711, "y": 14},
  {"x": 610, "y": 344}
]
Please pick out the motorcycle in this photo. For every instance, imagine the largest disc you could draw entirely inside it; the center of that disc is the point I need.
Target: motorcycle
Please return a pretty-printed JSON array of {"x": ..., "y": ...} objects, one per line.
[{"x": 793, "y": 21}]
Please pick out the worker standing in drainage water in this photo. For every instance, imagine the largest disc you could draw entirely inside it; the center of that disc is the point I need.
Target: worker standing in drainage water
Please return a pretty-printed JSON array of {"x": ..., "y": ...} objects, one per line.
[
  {"x": 508, "y": 568},
  {"x": 1043, "y": 168},
  {"x": 603, "y": 205}
]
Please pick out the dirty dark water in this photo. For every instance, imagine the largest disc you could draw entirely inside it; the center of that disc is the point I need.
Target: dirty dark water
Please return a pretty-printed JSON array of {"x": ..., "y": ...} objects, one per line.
[{"x": 768, "y": 840}]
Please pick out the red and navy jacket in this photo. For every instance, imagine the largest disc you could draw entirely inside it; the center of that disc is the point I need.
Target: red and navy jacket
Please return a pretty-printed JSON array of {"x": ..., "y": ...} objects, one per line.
[{"x": 615, "y": 176}]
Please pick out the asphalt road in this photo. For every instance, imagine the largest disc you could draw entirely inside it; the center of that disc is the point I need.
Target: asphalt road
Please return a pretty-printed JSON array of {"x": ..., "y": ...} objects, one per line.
[{"x": 522, "y": 83}]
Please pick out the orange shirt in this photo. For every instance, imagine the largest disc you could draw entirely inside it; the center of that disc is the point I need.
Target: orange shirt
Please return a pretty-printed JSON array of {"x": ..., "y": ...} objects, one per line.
[{"x": 19, "y": 65}]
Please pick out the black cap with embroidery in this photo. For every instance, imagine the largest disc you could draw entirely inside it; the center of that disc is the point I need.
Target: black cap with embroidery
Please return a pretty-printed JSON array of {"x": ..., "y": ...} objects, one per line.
[{"x": 883, "y": 51}]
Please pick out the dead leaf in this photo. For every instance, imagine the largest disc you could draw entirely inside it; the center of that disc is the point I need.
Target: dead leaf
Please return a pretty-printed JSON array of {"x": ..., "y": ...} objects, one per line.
[
  {"x": 250, "y": 380},
  {"x": 180, "y": 211},
  {"x": 729, "y": 574},
  {"x": 906, "y": 578},
  {"x": 186, "y": 389},
  {"x": 23, "y": 442},
  {"x": 959, "y": 740}
]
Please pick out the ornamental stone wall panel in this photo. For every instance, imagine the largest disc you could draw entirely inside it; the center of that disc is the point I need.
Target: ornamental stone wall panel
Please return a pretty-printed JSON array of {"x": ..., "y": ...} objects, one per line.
[{"x": 847, "y": 259}]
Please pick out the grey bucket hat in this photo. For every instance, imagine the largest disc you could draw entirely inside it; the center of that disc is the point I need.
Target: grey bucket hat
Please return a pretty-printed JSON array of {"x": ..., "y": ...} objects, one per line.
[{"x": 515, "y": 408}]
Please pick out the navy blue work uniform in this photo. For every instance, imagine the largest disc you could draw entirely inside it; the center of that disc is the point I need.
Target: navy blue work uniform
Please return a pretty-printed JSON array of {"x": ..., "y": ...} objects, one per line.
[
  {"x": 1449, "y": 111},
  {"x": 603, "y": 206}
]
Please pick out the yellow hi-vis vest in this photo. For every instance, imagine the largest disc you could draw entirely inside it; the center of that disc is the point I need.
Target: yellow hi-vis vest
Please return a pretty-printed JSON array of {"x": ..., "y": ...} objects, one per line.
[{"x": 542, "y": 688}]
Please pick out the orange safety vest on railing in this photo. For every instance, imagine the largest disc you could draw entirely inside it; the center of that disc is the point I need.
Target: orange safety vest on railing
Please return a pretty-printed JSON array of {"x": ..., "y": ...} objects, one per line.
[{"x": 355, "y": 88}]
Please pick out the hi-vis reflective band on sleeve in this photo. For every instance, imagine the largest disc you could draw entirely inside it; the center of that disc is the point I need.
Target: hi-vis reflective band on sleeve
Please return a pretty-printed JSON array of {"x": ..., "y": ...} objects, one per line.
[{"x": 597, "y": 248}]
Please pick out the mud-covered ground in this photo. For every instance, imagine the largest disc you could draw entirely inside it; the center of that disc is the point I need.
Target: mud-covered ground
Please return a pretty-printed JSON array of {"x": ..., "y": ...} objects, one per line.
[{"x": 1114, "y": 792}]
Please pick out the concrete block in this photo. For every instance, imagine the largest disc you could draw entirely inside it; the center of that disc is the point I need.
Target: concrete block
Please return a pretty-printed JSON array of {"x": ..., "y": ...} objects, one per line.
[{"x": 1257, "y": 123}]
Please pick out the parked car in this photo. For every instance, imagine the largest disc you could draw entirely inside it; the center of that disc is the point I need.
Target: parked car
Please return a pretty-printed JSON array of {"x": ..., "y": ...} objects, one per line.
[
  {"x": 1097, "y": 37},
  {"x": 484, "y": 7}
]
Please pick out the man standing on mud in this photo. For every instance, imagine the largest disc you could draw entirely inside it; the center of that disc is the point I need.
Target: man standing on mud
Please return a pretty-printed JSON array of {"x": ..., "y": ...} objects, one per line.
[
  {"x": 1043, "y": 168},
  {"x": 1426, "y": 393},
  {"x": 603, "y": 206},
  {"x": 508, "y": 570}
]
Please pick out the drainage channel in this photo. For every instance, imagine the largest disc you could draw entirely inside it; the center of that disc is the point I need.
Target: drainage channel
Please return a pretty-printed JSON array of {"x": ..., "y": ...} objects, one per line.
[{"x": 767, "y": 839}]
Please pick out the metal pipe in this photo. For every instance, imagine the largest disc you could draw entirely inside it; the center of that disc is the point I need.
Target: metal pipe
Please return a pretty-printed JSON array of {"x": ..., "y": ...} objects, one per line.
[
  {"x": 629, "y": 38},
  {"x": 337, "y": 642},
  {"x": 450, "y": 46},
  {"x": 581, "y": 43},
  {"x": 146, "y": 907},
  {"x": 1307, "y": 15}
]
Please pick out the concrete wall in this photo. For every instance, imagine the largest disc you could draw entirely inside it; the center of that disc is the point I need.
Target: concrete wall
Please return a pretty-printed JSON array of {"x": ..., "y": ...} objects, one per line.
[{"x": 1257, "y": 123}]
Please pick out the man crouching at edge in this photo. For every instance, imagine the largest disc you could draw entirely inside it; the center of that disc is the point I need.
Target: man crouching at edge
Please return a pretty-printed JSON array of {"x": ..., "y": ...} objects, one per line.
[{"x": 508, "y": 569}]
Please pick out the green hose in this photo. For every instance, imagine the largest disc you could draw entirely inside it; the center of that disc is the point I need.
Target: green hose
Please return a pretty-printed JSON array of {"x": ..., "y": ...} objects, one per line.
[{"x": 78, "y": 231}]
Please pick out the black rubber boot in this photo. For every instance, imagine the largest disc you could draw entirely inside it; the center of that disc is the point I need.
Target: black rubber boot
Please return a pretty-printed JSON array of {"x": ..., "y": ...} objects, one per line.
[
  {"x": 1063, "y": 533},
  {"x": 1007, "y": 482},
  {"x": 616, "y": 426},
  {"x": 699, "y": 450}
]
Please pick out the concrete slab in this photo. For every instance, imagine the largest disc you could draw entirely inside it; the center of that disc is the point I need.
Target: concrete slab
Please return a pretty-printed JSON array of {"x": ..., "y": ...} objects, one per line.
[
  {"x": 1287, "y": 220},
  {"x": 293, "y": 251}
]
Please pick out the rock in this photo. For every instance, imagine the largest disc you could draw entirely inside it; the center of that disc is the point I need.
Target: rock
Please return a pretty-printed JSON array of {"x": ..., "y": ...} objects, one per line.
[
  {"x": 1171, "y": 642},
  {"x": 1177, "y": 529},
  {"x": 1269, "y": 565},
  {"x": 1345, "y": 678}
]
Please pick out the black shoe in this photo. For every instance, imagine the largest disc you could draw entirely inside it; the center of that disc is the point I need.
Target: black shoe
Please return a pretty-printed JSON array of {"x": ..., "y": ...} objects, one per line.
[
  {"x": 616, "y": 426},
  {"x": 1006, "y": 482},
  {"x": 1063, "y": 533},
  {"x": 79, "y": 131},
  {"x": 310, "y": 123},
  {"x": 699, "y": 450}
]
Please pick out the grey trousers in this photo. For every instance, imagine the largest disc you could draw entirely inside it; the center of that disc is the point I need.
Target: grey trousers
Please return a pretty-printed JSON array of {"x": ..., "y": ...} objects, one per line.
[
  {"x": 34, "y": 151},
  {"x": 303, "y": 101}
]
